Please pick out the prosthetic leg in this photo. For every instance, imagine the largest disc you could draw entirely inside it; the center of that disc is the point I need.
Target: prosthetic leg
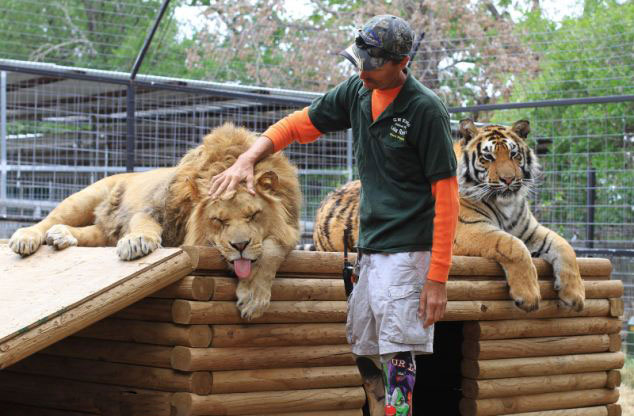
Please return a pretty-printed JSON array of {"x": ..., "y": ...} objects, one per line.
[{"x": 399, "y": 376}]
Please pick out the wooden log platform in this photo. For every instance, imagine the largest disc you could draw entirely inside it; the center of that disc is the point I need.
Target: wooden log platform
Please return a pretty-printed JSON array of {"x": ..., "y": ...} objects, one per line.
[{"x": 183, "y": 349}]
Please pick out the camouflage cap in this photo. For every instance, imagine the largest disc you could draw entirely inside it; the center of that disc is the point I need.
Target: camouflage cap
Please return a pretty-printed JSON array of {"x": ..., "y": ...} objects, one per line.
[{"x": 382, "y": 38}]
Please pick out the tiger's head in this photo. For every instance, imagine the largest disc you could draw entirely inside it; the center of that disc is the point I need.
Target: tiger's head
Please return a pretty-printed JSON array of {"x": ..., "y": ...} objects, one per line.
[{"x": 494, "y": 162}]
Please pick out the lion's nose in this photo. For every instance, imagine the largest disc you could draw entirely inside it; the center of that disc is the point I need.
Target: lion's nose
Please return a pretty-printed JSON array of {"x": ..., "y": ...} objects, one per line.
[{"x": 241, "y": 245}]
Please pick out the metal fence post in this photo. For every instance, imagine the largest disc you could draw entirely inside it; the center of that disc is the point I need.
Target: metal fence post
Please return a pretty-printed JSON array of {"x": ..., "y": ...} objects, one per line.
[
  {"x": 3, "y": 140},
  {"x": 591, "y": 196},
  {"x": 349, "y": 153}
]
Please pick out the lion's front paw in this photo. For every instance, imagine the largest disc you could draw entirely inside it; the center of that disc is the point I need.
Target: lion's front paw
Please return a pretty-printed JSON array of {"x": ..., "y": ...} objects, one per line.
[
  {"x": 524, "y": 289},
  {"x": 134, "y": 245},
  {"x": 25, "y": 241},
  {"x": 60, "y": 237},
  {"x": 572, "y": 292},
  {"x": 253, "y": 299}
]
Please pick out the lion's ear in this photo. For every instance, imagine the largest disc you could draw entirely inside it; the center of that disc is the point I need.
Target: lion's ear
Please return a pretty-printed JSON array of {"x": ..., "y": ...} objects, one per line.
[
  {"x": 267, "y": 181},
  {"x": 467, "y": 130},
  {"x": 521, "y": 128}
]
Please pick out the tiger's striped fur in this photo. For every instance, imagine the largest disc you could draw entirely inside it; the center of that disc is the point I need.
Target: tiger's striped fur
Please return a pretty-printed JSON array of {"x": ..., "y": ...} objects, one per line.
[{"x": 496, "y": 171}]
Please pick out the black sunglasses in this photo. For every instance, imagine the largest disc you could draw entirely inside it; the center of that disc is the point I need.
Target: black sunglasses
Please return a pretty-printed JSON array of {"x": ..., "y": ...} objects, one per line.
[{"x": 375, "y": 51}]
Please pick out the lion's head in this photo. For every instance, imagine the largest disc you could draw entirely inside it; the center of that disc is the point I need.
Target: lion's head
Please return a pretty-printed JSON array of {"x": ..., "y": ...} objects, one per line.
[
  {"x": 237, "y": 223},
  {"x": 495, "y": 162}
]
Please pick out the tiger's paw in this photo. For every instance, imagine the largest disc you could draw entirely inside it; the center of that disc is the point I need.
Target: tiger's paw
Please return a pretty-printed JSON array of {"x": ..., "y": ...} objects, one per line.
[
  {"x": 26, "y": 241},
  {"x": 572, "y": 292},
  {"x": 524, "y": 290},
  {"x": 60, "y": 237},
  {"x": 134, "y": 245}
]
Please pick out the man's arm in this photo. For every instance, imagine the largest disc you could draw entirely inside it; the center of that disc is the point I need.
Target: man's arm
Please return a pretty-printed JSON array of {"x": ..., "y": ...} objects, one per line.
[
  {"x": 295, "y": 127},
  {"x": 433, "y": 297}
]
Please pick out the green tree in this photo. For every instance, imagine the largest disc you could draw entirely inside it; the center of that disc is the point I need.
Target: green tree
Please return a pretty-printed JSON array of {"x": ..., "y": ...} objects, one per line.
[{"x": 592, "y": 55}]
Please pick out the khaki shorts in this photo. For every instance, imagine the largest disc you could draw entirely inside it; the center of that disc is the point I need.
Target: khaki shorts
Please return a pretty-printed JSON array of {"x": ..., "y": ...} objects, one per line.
[{"x": 383, "y": 307}]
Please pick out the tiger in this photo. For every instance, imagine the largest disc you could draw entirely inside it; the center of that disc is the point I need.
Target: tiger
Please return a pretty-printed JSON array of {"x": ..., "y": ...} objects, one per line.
[{"x": 496, "y": 172}]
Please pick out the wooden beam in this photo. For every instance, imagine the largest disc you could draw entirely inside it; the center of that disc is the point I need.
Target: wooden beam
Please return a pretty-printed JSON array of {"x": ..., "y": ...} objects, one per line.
[
  {"x": 465, "y": 310},
  {"x": 499, "y": 290},
  {"x": 276, "y": 335},
  {"x": 518, "y": 386},
  {"x": 585, "y": 411},
  {"x": 535, "y": 347},
  {"x": 538, "y": 402},
  {"x": 327, "y": 263},
  {"x": 277, "y": 379},
  {"x": 526, "y": 328},
  {"x": 150, "y": 378},
  {"x": 158, "y": 333},
  {"x": 542, "y": 366},
  {"x": 226, "y": 312},
  {"x": 115, "y": 352},
  {"x": 217, "y": 359},
  {"x": 187, "y": 404},
  {"x": 189, "y": 287}
]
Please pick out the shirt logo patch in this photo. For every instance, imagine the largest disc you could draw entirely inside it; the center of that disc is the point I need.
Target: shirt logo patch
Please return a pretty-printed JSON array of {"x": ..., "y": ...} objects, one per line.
[{"x": 398, "y": 129}]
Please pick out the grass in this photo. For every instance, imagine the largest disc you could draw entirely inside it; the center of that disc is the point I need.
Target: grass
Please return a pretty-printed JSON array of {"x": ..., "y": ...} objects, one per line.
[{"x": 626, "y": 390}]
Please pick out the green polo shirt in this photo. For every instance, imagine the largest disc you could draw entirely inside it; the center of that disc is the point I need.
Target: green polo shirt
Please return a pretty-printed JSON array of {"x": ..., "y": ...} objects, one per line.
[{"x": 398, "y": 156}]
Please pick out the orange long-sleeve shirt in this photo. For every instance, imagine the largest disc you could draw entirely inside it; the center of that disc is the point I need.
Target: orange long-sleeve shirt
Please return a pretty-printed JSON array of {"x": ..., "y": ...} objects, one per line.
[{"x": 298, "y": 127}]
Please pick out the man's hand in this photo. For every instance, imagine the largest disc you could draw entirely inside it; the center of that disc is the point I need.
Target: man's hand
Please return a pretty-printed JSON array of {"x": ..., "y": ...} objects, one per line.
[
  {"x": 433, "y": 302},
  {"x": 241, "y": 170}
]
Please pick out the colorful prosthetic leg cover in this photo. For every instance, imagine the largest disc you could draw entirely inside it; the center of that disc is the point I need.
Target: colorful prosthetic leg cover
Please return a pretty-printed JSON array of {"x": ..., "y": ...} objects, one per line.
[{"x": 399, "y": 375}]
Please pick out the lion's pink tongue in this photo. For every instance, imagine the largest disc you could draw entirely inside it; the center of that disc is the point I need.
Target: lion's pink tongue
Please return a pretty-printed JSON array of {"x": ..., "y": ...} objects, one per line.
[{"x": 242, "y": 268}]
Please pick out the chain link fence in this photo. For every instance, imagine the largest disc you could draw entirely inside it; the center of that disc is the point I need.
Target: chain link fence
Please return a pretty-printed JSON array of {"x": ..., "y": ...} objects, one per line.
[{"x": 85, "y": 114}]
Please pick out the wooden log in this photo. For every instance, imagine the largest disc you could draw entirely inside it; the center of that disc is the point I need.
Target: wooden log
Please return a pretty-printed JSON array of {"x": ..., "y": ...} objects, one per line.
[
  {"x": 214, "y": 359},
  {"x": 584, "y": 411},
  {"x": 150, "y": 378},
  {"x": 12, "y": 409},
  {"x": 617, "y": 307},
  {"x": 535, "y": 347},
  {"x": 243, "y": 381},
  {"x": 275, "y": 335},
  {"x": 187, "y": 404},
  {"x": 285, "y": 289},
  {"x": 115, "y": 352},
  {"x": 518, "y": 386},
  {"x": 189, "y": 287},
  {"x": 541, "y": 366},
  {"x": 525, "y": 328},
  {"x": 499, "y": 290},
  {"x": 538, "y": 402},
  {"x": 614, "y": 379},
  {"x": 501, "y": 309},
  {"x": 50, "y": 392},
  {"x": 149, "y": 309},
  {"x": 158, "y": 333},
  {"x": 95, "y": 309},
  {"x": 325, "y": 263},
  {"x": 342, "y": 412},
  {"x": 614, "y": 409},
  {"x": 224, "y": 312}
]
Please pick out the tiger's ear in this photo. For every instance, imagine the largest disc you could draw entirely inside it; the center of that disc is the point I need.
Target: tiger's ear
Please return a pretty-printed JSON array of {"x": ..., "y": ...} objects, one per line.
[
  {"x": 467, "y": 130},
  {"x": 521, "y": 128}
]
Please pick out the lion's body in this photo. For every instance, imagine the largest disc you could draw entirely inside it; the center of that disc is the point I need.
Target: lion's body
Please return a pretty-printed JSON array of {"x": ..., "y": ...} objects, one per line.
[
  {"x": 139, "y": 212},
  {"x": 495, "y": 170}
]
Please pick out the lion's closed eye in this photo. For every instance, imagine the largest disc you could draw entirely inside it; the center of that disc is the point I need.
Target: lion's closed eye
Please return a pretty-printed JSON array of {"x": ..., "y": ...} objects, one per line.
[{"x": 254, "y": 216}]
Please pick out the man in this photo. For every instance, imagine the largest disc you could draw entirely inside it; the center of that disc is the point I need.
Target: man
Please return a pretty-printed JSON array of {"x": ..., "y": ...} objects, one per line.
[{"x": 409, "y": 200}]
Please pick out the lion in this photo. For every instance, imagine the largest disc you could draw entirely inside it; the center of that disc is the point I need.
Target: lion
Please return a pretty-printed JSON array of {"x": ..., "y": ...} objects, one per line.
[
  {"x": 496, "y": 170},
  {"x": 139, "y": 212}
]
